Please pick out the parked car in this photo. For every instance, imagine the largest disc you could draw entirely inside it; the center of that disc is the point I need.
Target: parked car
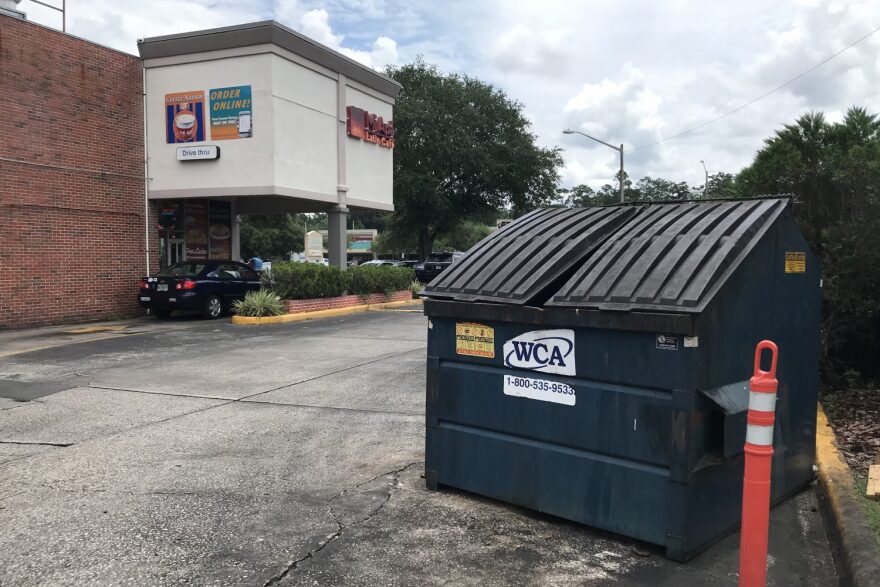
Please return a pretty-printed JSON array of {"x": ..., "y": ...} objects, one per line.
[
  {"x": 434, "y": 265},
  {"x": 209, "y": 287},
  {"x": 378, "y": 263},
  {"x": 408, "y": 263}
]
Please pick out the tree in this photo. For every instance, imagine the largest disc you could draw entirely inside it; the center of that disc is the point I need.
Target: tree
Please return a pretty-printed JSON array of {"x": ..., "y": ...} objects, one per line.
[
  {"x": 273, "y": 236},
  {"x": 650, "y": 189},
  {"x": 462, "y": 148},
  {"x": 833, "y": 172},
  {"x": 722, "y": 185}
]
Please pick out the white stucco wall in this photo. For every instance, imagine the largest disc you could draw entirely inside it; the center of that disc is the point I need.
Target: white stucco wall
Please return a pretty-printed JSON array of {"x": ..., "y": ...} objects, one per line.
[
  {"x": 369, "y": 166},
  {"x": 296, "y": 126},
  {"x": 304, "y": 109},
  {"x": 244, "y": 164}
]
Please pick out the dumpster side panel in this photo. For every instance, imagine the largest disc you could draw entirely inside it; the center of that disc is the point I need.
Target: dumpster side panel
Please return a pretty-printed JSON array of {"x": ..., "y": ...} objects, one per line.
[
  {"x": 766, "y": 303},
  {"x": 614, "y": 495},
  {"x": 603, "y": 460}
]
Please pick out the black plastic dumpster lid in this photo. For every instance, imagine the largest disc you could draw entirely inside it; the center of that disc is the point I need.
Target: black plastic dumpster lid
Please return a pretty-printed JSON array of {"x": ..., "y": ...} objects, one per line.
[
  {"x": 525, "y": 260},
  {"x": 670, "y": 257}
]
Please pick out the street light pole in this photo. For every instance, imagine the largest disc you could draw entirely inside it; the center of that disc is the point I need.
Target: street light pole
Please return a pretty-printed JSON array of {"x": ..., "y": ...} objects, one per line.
[
  {"x": 610, "y": 146},
  {"x": 706, "y": 183}
]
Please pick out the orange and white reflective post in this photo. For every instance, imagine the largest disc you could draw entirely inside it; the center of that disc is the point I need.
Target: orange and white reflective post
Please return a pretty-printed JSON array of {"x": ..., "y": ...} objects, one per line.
[{"x": 756, "y": 481}]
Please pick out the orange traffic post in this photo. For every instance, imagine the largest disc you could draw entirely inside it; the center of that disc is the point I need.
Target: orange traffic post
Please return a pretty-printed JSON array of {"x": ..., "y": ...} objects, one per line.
[{"x": 756, "y": 481}]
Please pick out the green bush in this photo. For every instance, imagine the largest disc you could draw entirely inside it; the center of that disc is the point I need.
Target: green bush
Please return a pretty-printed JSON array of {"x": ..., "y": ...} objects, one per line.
[
  {"x": 416, "y": 286},
  {"x": 259, "y": 303},
  {"x": 299, "y": 281},
  {"x": 372, "y": 279}
]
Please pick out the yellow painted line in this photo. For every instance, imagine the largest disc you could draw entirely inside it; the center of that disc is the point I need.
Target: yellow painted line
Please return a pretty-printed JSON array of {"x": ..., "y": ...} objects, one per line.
[
  {"x": 319, "y": 314},
  {"x": 70, "y": 342},
  {"x": 92, "y": 329}
]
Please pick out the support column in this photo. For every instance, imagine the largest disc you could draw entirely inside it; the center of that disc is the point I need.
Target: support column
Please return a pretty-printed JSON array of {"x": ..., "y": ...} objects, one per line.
[
  {"x": 236, "y": 233},
  {"x": 338, "y": 215},
  {"x": 337, "y": 219}
]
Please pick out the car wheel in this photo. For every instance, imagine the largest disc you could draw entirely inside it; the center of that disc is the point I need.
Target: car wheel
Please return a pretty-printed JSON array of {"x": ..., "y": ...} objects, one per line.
[
  {"x": 161, "y": 313},
  {"x": 213, "y": 307}
]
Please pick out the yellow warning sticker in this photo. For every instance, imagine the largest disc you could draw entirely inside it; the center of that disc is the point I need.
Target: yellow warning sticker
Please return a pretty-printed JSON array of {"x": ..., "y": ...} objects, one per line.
[
  {"x": 795, "y": 262},
  {"x": 476, "y": 340}
]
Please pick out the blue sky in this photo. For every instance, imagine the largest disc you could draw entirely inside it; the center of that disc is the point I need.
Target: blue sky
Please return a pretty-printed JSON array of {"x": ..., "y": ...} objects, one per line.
[{"x": 629, "y": 71}]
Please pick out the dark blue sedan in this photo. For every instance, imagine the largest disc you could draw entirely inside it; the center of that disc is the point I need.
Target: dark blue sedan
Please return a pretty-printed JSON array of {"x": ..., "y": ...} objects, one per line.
[{"x": 209, "y": 287}]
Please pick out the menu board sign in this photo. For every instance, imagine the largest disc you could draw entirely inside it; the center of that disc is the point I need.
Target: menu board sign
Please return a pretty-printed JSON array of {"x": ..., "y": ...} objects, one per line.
[
  {"x": 195, "y": 221},
  {"x": 220, "y": 230}
]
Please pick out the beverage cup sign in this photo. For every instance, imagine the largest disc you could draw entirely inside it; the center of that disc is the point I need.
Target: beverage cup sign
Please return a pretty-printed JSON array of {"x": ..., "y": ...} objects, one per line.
[{"x": 185, "y": 125}]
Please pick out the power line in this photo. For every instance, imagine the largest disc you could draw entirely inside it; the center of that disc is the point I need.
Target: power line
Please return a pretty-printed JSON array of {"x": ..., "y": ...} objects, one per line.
[{"x": 761, "y": 97}]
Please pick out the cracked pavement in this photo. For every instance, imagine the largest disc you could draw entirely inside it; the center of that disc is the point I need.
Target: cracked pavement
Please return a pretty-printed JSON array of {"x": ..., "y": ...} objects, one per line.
[{"x": 203, "y": 453}]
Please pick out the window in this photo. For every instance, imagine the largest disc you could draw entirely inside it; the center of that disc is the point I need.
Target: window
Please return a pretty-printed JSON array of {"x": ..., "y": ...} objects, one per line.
[
  {"x": 183, "y": 270},
  {"x": 249, "y": 274},
  {"x": 229, "y": 271}
]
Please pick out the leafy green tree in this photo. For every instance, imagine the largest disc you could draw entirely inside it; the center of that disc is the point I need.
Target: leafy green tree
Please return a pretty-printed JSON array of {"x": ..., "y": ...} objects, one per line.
[
  {"x": 463, "y": 236},
  {"x": 722, "y": 186},
  {"x": 462, "y": 148},
  {"x": 833, "y": 173},
  {"x": 650, "y": 189},
  {"x": 273, "y": 237}
]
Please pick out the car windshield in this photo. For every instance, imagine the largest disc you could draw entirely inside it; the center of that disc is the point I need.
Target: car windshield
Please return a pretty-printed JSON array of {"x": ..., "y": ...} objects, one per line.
[
  {"x": 439, "y": 257},
  {"x": 183, "y": 270}
]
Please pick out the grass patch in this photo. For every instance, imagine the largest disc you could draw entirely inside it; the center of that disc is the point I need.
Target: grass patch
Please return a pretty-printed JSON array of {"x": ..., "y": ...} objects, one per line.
[{"x": 871, "y": 507}]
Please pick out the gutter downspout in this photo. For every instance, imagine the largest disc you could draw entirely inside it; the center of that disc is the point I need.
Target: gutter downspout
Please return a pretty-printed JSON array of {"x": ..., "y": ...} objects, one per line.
[{"x": 146, "y": 175}]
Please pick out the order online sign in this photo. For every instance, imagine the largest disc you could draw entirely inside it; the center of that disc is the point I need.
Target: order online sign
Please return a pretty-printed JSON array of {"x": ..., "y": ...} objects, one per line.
[{"x": 232, "y": 115}]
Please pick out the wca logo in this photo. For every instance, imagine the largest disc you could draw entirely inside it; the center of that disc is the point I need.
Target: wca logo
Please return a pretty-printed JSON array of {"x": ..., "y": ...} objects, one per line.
[{"x": 548, "y": 351}]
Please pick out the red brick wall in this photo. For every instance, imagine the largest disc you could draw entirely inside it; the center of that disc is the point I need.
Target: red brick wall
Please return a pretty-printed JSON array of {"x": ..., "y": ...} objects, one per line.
[
  {"x": 315, "y": 304},
  {"x": 71, "y": 178}
]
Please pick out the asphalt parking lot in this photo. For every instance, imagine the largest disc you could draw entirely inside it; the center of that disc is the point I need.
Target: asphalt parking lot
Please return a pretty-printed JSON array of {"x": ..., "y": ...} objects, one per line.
[{"x": 194, "y": 452}]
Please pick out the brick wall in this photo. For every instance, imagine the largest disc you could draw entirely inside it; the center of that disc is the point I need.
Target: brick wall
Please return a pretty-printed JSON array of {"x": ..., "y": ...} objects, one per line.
[
  {"x": 71, "y": 178},
  {"x": 316, "y": 304}
]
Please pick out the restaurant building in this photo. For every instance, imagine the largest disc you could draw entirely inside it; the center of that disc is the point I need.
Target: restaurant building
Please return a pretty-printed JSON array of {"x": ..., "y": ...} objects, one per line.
[
  {"x": 258, "y": 119},
  {"x": 112, "y": 166}
]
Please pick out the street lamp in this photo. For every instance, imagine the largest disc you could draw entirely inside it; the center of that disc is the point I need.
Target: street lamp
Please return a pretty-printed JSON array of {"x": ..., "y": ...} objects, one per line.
[
  {"x": 610, "y": 146},
  {"x": 706, "y": 184}
]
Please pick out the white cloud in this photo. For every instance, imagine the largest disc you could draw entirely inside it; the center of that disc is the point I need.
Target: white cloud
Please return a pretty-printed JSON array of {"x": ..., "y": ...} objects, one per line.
[
  {"x": 316, "y": 24},
  {"x": 541, "y": 52},
  {"x": 632, "y": 72}
]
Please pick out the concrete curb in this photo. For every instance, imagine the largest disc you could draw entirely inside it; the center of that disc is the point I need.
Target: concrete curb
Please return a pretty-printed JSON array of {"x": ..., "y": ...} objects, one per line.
[
  {"x": 320, "y": 313},
  {"x": 858, "y": 555}
]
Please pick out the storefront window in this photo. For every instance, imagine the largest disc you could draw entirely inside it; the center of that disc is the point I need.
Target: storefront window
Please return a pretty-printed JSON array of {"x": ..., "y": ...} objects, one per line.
[{"x": 194, "y": 230}]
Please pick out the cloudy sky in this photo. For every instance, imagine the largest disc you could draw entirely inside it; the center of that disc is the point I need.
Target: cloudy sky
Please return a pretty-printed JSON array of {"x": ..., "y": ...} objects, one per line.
[{"x": 632, "y": 72}]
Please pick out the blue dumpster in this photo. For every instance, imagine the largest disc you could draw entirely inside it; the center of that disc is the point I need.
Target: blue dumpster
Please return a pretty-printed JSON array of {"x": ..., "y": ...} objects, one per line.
[{"x": 593, "y": 364}]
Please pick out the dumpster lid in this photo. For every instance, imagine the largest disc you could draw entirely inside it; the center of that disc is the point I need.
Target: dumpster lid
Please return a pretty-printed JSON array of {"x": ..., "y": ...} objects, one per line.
[
  {"x": 526, "y": 261},
  {"x": 670, "y": 257},
  {"x": 663, "y": 257}
]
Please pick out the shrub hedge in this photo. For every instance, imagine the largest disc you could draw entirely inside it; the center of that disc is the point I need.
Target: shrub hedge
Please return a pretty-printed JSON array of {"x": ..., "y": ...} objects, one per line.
[
  {"x": 298, "y": 281},
  {"x": 378, "y": 279}
]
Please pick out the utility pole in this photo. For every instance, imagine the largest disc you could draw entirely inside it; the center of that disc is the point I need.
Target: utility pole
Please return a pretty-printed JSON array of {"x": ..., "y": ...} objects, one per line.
[
  {"x": 706, "y": 183},
  {"x": 610, "y": 146}
]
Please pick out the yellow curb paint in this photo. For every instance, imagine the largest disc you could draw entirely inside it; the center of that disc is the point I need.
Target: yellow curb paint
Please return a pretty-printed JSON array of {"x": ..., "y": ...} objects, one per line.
[
  {"x": 834, "y": 474},
  {"x": 319, "y": 314},
  {"x": 92, "y": 329},
  {"x": 827, "y": 456},
  {"x": 70, "y": 342}
]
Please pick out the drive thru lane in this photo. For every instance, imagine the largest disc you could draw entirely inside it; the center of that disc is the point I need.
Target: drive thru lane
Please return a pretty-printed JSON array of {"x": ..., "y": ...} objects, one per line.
[{"x": 292, "y": 454}]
